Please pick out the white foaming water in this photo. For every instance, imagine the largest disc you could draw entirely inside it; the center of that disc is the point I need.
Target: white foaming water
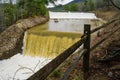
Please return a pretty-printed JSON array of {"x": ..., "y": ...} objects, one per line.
[
  {"x": 20, "y": 67},
  {"x": 72, "y": 21},
  {"x": 72, "y": 15}
]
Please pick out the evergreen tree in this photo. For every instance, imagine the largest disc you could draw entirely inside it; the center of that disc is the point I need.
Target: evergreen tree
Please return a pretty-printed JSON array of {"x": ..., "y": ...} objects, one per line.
[{"x": 9, "y": 12}]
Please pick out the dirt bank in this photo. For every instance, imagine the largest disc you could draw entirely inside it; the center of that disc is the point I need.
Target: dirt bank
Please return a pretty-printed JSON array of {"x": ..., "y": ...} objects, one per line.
[
  {"x": 11, "y": 39},
  {"x": 107, "y": 14}
]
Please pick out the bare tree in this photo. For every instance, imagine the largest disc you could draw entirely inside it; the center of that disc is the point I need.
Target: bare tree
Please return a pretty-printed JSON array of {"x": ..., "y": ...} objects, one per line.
[{"x": 115, "y": 5}]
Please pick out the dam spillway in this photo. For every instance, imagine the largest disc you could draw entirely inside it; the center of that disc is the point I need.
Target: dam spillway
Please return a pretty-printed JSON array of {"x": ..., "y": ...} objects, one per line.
[
  {"x": 48, "y": 44},
  {"x": 52, "y": 38},
  {"x": 42, "y": 43}
]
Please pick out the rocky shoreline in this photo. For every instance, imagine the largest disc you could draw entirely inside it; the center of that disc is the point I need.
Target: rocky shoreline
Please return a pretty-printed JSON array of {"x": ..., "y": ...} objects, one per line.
[{"x": 11, "y": 40}]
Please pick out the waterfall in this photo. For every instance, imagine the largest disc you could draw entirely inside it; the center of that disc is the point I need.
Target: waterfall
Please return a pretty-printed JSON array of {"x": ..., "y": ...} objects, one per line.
[{"x": 48, "y": 44}]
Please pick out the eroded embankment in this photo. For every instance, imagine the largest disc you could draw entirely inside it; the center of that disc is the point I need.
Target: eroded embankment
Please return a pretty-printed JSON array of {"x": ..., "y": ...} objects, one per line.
[{"x": 11, "y": 39}]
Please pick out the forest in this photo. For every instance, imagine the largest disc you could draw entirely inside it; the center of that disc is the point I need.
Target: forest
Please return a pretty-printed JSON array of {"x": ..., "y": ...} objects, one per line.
[{"x": 13, "y": 10}]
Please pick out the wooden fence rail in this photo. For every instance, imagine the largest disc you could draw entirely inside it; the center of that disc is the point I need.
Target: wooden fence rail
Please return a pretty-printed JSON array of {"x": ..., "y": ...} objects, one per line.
[
  {"x": 72, "y": 66},
  {"x": 43, "y": 73},
  {"x": 47, "y": 69},
  {"x": 102, "y": 40}
]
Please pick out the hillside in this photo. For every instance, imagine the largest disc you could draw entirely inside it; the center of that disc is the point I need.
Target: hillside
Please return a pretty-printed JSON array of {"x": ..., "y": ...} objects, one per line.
[{"x": 60, "y": 8}]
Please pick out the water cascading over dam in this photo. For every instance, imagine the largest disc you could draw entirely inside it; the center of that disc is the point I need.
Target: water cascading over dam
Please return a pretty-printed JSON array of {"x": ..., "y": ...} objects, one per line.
[
  {"x": 48, "y": 44},
  {"x": 51, "y": 39}
]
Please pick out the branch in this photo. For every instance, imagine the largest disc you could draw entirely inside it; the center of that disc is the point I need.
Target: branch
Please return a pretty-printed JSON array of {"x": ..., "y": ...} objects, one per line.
[
  {"x": 20, "y": 69},
  {"x": 114, "y": 4}
]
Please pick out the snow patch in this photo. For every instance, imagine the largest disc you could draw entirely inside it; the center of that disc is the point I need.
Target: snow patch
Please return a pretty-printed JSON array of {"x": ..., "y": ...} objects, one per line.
[{"x": 59, "y": 2}]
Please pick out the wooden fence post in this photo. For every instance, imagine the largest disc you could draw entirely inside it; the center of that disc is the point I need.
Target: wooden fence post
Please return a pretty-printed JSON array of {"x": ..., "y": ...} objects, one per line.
[{"x": 86, "y": 56}]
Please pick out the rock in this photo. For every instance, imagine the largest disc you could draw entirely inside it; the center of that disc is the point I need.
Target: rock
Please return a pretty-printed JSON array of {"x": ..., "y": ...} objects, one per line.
[{"x": 110, "y": 74}]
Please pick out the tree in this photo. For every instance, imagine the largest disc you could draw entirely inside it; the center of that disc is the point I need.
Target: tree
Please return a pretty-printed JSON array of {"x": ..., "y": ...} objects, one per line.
[
  {"x": 114, "y": 3},
  {"x": 10, "y": 13},
  {"x": 1, "y": 16},
  {"x": 71, "y": 7},
  {"x": 33, "y": 7},
  {"x": 89, "y": 5}
]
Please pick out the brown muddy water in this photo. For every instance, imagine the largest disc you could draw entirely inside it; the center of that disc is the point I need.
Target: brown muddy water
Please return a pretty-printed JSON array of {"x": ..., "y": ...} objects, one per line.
[{"x": 52, "y": 38}]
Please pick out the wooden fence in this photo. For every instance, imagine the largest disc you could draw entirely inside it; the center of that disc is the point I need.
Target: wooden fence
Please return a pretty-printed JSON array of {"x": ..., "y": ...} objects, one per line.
[{"x": 44, "y": 72}]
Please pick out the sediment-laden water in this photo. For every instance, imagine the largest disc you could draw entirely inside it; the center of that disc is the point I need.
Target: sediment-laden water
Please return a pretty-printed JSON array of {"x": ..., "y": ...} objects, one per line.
[
  {"x": 48, "y": 45},
  {"x": 51, "y": 39}
]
